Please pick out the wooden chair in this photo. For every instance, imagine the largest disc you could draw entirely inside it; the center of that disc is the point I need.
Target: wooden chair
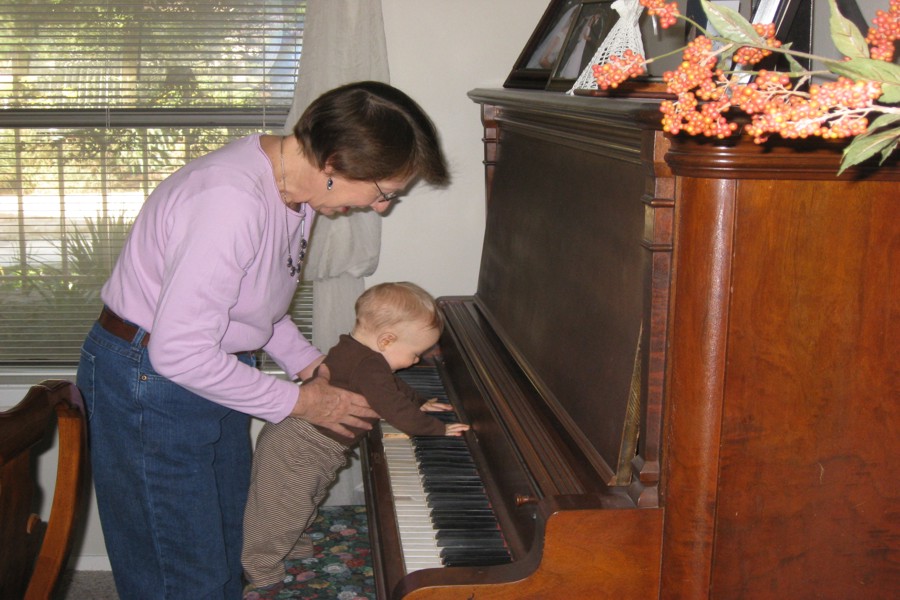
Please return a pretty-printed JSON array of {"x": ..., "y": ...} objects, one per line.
[{"x": 33, "y": 553}]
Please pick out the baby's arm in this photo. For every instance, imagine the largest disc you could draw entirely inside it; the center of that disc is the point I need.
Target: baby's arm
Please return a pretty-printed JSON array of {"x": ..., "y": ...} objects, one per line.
[{"x": 455, "y": 429}]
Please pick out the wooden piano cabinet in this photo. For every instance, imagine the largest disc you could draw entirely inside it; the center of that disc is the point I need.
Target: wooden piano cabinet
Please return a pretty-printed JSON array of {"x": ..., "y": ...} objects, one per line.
[
  {"x": 780, "y": 460},
  {"x": 745, "y": 297}
]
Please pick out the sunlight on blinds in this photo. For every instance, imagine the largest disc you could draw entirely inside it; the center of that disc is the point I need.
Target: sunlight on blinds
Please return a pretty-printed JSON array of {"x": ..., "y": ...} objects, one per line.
[{"x": 99, "y": 102}]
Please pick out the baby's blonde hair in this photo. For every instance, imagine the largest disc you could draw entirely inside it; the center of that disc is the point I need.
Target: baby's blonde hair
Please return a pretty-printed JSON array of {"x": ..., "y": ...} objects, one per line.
[{"x": 389, "y": 304}]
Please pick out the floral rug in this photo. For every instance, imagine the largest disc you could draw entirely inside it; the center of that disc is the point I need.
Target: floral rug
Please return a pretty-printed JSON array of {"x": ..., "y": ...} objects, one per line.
[{"x": 341, "y": 567}]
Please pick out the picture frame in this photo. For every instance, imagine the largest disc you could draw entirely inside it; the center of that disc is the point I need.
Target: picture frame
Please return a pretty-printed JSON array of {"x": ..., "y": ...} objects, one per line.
[
  {"x": 780, "y": 12},
  {"x": 793, "y": 24},
  {"x": 536, "y": 63},
  {"x": 594, "y": 20},
  {"x": 793, "y": 21}
]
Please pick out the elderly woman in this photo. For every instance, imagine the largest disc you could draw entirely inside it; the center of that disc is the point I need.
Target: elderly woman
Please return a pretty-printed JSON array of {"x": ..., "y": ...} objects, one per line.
[{"x": 205, "y": 278}]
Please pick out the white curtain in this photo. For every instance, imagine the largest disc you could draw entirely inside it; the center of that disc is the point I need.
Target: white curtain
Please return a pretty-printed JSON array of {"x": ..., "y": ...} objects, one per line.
[{"x": 343, "y": 41}]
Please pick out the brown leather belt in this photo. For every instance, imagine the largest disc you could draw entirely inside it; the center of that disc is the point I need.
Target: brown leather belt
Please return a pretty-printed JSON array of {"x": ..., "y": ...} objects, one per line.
[{"x": 120, "y": 328}]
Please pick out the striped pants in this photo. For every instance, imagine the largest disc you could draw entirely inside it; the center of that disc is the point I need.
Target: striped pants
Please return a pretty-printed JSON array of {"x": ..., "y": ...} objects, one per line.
[{"x": 293, "y": 467}]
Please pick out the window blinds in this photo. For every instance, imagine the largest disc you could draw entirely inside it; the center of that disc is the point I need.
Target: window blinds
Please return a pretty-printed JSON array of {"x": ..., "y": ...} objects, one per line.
[{"x": 99, "y": 101}]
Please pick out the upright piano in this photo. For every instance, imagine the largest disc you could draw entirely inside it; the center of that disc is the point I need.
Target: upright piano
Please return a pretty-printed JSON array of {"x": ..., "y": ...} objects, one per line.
[{"x": 680, "y": 367}]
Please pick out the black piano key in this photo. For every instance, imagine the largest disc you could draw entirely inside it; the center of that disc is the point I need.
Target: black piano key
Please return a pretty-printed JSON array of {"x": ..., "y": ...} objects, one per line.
[
  {"x": 442, "y": 441},
  {"x": 441, "y": 473},
  {"x": 425, "y": 447},
  {"x": 457, "y": 505},
  {"x": 448, "y": 512},
  {"x": 446, "y": 456},
  {"x": 448, "y": 442},
  {"x": 461, "y": 512},
  {"x": 463, "y": 556},
  {"x": 458, "y": 482},
  {"x": 491, "y": 538},
  {"x": 468, "y": 560},
  {"x": 431, "y": 466},
  {"x": 474, "y": 544},
  {"x": 467, "y": 500},
  {"x": 462, "y": 552},
  {"x": 449, "y": 499},
  {"x": 455, "y": 488},
  {"x": 479, "y": 518},
  {"x": 473, "y": 522}
]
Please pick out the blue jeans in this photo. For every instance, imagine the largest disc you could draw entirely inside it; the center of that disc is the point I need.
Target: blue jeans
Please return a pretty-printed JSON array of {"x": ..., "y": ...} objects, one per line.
[{"x": 171, "y": 472}]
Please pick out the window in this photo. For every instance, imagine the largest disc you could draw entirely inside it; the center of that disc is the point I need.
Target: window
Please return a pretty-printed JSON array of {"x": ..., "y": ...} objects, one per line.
[{"x": 99, "y": 101}]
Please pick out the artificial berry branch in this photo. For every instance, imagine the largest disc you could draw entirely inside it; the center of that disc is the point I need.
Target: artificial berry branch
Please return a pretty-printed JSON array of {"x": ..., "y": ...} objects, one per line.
[{"x": 858, "y": 102}]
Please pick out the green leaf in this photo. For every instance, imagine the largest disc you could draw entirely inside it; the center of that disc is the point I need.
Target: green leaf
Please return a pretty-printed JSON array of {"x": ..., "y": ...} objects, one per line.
[
  {"x": 880, "y": 122},
  {"x": 794, "y": 66},
  {"x": 845, "y": 35},
  {"x": 869, "y": 144},
  {"x": 887, "y": 152},
  {"x": 867, "y": 68},
  {"x": 890, "y": 93},
  {"x": 730, "y": 24}
]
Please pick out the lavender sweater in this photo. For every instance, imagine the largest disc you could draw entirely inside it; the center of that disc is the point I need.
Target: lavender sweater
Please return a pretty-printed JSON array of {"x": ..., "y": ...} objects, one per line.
[{"x": 203, "y": 270}]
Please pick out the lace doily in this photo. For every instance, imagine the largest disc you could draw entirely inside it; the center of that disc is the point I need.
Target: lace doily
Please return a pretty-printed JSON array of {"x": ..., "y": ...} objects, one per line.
[{"x": 624, "y": 35}]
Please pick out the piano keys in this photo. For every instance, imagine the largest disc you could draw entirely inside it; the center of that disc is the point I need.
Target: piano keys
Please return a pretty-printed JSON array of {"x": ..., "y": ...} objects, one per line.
[{"x": 444, "y": 515}]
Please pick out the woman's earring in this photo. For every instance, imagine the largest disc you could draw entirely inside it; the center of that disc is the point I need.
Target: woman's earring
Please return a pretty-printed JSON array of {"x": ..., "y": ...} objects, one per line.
[{"x": 329, "y": 184}]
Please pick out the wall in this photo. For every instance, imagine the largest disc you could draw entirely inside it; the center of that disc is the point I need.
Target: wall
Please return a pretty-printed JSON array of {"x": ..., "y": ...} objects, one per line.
[
  {"x": 434, "y": 236},
  {"x": 438, "y": 51}
]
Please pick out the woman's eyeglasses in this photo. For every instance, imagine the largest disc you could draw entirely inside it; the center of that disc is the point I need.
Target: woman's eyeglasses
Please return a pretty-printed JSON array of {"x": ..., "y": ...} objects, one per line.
[{"x": 386, "y": 197}]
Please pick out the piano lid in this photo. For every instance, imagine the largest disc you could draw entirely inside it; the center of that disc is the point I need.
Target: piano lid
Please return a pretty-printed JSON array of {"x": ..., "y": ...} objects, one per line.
[{"x": 562, "y": 281}]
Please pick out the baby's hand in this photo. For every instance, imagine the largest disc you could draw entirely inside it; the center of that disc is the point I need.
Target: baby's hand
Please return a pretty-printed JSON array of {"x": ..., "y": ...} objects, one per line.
[
  {"x": 434, "y": 406},
  {"x": 455, "y": 429}
]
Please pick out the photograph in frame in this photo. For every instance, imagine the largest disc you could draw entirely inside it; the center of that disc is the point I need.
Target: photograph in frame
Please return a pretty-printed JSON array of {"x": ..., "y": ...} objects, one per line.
[{"x": 541, "y": 54}]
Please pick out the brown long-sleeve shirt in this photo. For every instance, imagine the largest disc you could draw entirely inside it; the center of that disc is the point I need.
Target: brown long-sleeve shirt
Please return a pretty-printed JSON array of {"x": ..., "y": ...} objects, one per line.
[{"x": 357, "y": 368}]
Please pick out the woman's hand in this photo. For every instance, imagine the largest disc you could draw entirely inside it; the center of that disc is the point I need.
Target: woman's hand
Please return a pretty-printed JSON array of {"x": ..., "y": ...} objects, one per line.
[{"x": 331, "y": 407}]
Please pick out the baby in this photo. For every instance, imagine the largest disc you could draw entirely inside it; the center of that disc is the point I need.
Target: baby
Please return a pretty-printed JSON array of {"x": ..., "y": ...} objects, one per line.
[{"x": 295, "y": 462}]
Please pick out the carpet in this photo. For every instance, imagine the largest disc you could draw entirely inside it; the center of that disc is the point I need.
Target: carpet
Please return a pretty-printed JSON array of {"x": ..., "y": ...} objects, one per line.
[
  {"x": 86, "y": 585},
  {"x": 341, "y": 567}
]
